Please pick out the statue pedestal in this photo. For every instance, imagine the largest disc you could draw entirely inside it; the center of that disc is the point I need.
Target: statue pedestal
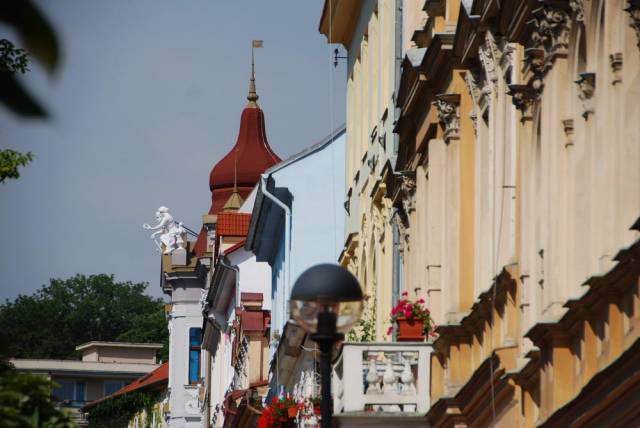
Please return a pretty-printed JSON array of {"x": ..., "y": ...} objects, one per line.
[{"x": 179, "y": 257}]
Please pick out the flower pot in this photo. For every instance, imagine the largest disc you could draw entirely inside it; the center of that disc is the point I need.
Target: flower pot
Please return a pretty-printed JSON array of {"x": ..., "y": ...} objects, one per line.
[
  {"x": 292, "y": 412},
  {"x": 410, "y": 330}
]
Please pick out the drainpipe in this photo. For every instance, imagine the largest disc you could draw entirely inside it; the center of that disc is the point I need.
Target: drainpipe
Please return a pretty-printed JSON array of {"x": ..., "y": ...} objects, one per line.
[{"x": 287, "y": 240}]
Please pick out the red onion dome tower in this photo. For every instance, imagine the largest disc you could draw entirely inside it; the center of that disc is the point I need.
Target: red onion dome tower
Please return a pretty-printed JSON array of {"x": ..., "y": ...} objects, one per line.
[{"x": 239, "y": 170}]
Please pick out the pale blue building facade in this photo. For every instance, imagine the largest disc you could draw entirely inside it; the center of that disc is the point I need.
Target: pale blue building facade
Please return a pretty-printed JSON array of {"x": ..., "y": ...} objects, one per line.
[{"x": 298, "y": 221}]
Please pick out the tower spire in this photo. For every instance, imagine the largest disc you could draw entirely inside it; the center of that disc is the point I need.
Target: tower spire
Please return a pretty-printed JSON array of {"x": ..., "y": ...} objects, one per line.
[{"x": 253, "y": 95}]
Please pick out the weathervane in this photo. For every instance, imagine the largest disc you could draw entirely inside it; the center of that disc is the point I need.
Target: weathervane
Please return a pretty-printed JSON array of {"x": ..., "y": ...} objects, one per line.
[{"x": 253, "y": 96}]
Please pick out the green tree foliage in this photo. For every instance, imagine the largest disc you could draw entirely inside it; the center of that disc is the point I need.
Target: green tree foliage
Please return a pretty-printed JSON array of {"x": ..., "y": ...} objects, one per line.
[
  {"x": 25, "y": 400},
  {"x": 11, "y": 161},
  {"x": 118, "y": 411},
  {"x": 35, "y": 32},
  {"x": 53, "y": 321}
]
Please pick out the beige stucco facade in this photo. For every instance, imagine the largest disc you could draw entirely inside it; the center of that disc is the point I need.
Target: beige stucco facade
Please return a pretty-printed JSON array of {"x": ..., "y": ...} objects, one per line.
[
  {"x": 519, "y": 120},
  {"x": 371, "y": 32}
]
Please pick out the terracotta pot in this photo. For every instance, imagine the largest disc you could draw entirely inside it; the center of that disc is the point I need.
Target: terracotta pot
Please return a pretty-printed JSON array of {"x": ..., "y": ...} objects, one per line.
[
  {"x": 292, "y": 412},
  {"x": 410, "y": 330}
]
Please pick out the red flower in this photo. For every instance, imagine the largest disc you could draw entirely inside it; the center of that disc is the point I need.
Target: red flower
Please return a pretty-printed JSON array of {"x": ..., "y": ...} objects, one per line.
[
  {"x": 405, "y": 293},
  {"x": 389, "y": 330}
]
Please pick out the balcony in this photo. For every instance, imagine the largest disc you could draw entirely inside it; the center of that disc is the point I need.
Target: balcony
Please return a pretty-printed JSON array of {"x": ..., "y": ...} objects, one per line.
[{"x": 382, "y": 377}]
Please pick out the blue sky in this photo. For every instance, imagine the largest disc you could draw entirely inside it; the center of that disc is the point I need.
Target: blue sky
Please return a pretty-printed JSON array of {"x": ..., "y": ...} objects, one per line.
[{"x": 147, "y": 99}]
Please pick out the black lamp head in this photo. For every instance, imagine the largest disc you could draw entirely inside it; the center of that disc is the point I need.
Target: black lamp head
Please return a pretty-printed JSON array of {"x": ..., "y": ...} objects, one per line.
[{"x": 326, "y": 283}]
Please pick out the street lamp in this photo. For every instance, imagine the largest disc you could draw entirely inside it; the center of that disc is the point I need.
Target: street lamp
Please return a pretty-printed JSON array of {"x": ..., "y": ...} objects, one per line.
[{"x": 326, "y": 301}]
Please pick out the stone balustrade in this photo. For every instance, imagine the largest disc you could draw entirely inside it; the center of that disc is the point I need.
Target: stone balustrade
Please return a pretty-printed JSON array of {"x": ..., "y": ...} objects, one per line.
[{"x": 382, "y": 377}]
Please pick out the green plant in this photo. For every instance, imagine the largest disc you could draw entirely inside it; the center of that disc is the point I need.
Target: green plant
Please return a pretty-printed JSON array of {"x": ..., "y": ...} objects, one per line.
[
  {"x": 365, "y": 329},
  {"x": 118, "y": 411},
  {"x": 25, "y": 400}
]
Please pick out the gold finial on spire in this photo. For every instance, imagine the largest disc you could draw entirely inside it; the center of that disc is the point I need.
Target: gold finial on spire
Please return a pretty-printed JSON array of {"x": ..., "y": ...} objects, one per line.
[{"x": 253, "y": 95}]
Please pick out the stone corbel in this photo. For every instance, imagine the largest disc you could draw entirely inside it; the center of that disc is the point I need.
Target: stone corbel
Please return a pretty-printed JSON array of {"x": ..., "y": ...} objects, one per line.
[
  {"x": 615, "y": 59},
  {"x": 449, "y": 115},
  {"x": 633, "y": 9},
  {"x": 534, "y": 59},
  {"x": 587, "y": 87},
  {"x": 524, "y": 98}
]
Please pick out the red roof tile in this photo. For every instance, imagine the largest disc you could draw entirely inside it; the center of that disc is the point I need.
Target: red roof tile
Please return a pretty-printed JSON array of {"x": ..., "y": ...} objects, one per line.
[{"x": 233, "y": 224}]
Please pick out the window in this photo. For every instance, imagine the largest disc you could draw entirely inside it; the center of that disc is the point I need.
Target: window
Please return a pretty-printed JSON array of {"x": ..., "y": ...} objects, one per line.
[
  {"x": 111, "y": 386},
  {"x": 70, "y": 391},
  {"x": 195, "y": 340}
]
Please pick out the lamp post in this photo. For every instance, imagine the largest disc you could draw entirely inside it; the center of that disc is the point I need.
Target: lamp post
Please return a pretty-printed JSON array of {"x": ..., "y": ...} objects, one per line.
[{"x": 326, "y": 301}]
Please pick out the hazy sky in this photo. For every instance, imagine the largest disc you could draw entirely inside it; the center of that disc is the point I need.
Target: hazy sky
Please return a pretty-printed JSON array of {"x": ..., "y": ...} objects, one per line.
[{"x": 147, "y": 100}]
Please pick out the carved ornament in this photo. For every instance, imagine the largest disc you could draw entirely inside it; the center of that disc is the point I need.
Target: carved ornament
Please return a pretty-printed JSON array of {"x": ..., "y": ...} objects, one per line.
[
  {"x": 587, "y": 87},
  {"x": 523, "y": 97},
  {"x": 615, "y": 59},
  {"x": 550, "y": 39},
  {"x": 633, "y": 9},
  {"x": 449, "y": 115},
  {"x": 577, "y": 6}
]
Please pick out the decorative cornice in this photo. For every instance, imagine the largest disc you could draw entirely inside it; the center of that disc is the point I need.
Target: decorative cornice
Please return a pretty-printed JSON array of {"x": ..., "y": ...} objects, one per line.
[
  {"x": 633, "y": 9},
  {"x": 449, "y": 115},
  {"x": 587, "y": 87}
]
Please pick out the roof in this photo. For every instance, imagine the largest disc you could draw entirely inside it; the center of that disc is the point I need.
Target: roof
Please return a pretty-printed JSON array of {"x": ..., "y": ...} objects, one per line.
[
  {"x": 234, "y": 247},
  {"x": 334, "y": 135},
  {"x": 155, "y": 378},
  {"x": 118, "y": 345},
  {"x": 258, "y": 209},
  {"x": 79, "y": 367},
  {"x": 233, "y": 224}
]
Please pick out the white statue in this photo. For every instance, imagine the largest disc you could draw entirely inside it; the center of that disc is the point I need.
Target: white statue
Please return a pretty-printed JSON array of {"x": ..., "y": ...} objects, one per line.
[{"x": 172, "y": 234}]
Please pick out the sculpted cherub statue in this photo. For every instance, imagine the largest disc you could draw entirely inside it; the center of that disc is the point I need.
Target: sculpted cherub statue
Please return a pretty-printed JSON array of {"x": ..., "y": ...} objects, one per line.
[{"x": 172, "y": 234}]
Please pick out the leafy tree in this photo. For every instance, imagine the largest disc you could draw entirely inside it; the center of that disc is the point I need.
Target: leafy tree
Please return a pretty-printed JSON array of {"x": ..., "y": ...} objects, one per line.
[
  {"x": 25, "y": 400},
  {"x": 53, "y": 321},
  {"x": 35, "y": 32}
]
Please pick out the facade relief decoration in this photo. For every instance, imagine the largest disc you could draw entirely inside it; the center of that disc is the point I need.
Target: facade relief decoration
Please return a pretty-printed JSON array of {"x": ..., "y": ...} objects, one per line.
[
  {"x": 449, "y": 115},
  {"x": 474, "y": 92},
  {"x": 587, "y": 87},
  {"x": 633, "y": 9},
  {"x": 523, "y": 98},
  {"x": 550, "y": 39},
  {"x": 408, "y": 189},
  {"x": 615, "y": 59},
  {"x": 577, "y": 6},
  {"x": 567, "y": 126}
]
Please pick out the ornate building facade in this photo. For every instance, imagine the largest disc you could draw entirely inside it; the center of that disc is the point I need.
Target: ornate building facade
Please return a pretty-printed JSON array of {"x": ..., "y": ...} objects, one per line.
[{"x": 518, "y": 120}]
